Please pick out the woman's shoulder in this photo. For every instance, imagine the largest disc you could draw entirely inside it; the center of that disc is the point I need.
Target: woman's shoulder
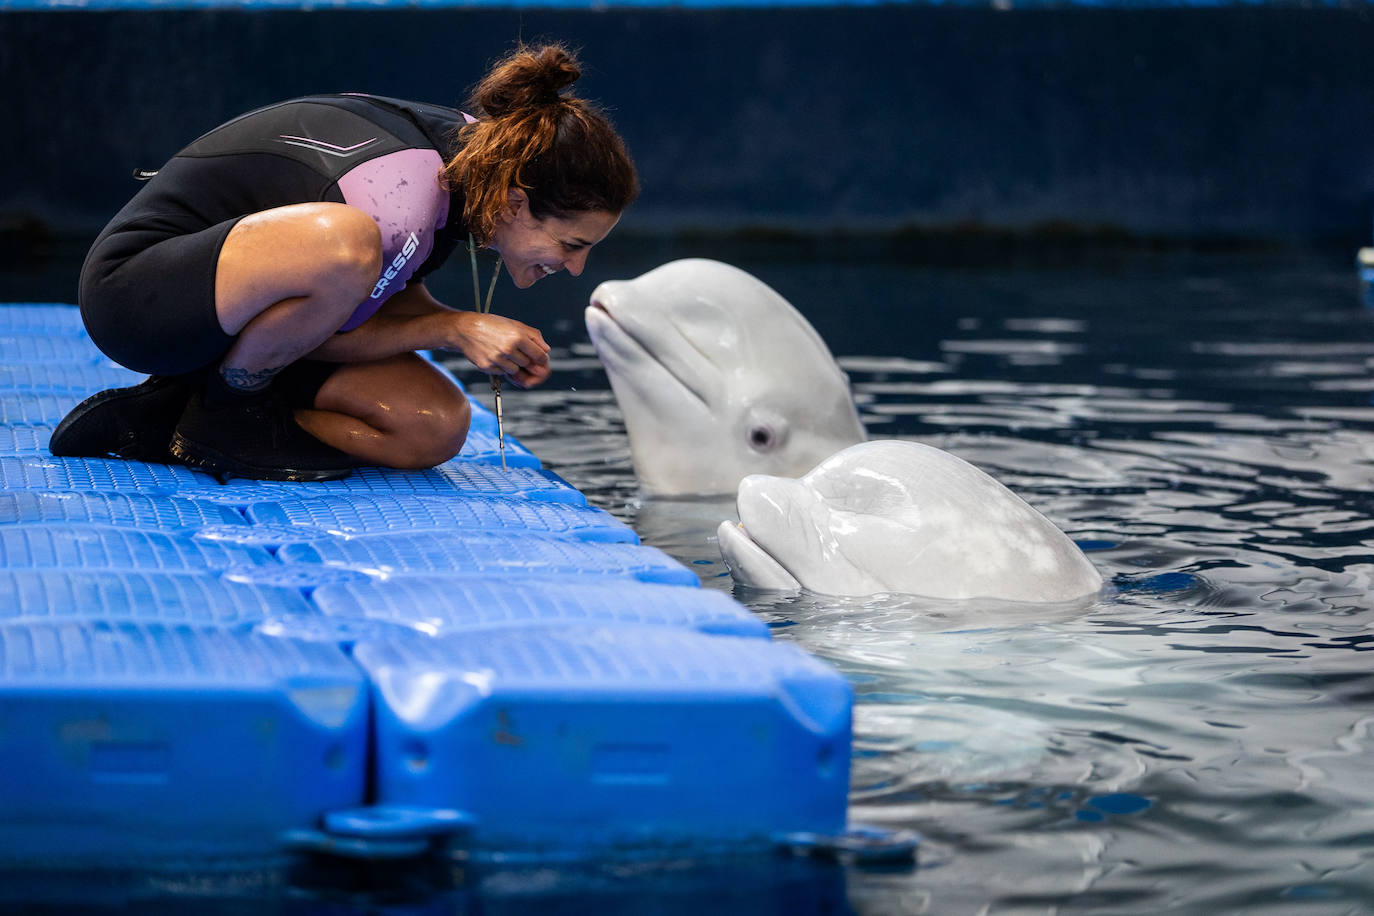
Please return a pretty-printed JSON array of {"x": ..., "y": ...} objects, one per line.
[
  {"x": 330, "y": 134},
  {"x": 436, "y": 122},
  {"x": 386, "y": 122}
]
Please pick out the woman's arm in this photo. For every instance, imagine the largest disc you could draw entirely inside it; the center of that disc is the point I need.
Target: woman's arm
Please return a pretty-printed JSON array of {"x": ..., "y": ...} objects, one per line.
[{"x": 413, "y": 319}]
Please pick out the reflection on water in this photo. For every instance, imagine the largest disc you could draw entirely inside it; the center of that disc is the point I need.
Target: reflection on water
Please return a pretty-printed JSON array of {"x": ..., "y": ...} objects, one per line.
[{"x": 1199, "y": 736}]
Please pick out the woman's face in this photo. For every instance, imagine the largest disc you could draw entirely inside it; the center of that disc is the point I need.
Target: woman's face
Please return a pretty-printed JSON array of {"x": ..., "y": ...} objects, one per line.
[{"x": 532, "y": 249}]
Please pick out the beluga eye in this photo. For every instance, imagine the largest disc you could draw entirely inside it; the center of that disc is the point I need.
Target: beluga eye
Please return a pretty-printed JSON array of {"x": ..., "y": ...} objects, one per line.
[
  {"x": 762, "y": 438},
  {"x": 765, "y": 430}
]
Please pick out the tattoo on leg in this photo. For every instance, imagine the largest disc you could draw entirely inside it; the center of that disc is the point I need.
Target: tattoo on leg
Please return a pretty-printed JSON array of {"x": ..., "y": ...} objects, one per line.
[{"x": 244, "y": 380}]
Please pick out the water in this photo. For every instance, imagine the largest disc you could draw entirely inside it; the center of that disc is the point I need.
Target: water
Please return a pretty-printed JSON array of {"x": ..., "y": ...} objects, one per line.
[{"x": 1196, "y": 740}]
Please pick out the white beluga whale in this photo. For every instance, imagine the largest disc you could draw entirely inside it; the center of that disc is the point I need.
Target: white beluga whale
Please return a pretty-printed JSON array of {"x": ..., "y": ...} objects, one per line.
[
  {"x": 893, "y": 516},
  {"x": 717, "y": 376}
]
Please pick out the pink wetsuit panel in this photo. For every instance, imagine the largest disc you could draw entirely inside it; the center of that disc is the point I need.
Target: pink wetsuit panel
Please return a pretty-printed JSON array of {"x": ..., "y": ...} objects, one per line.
[{"x": 401, "y": 192}]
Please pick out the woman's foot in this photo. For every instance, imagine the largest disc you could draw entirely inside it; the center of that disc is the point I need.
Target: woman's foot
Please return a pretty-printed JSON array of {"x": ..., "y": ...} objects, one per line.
[
  {"x": 134, "y": 423},
  {"x": 254, "y": 435}
]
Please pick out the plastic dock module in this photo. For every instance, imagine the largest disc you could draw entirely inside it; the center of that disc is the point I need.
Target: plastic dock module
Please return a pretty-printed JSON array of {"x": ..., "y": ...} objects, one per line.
[
  {"x": 196, "y": 671},
  {"x": 36, "y": 409},
  {"x": 46, "y": 319},
  {"x": 102, "y": 475},
  {"x": 370, "y": 514},
  {"x": 440, "y": 606},
  {"x": 119, "y": 510},
  {"x": 484, "y": 446},
  {"x": 24, "y": 440},
  {"x": 57, "y": 378},
  {"x": 456, "y": 476},
  {"x": 73, "y": 547},
  {"x": 557, "y": 740},
  {"x": 129, "y": 744},
  {"x": 489, "y": 555},
  {"x": 39, "y": 348},
  {"x": 45, "y": 595}
]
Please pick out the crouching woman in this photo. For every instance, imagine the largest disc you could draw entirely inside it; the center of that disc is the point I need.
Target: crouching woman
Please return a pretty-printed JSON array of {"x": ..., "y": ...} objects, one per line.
[{"x": 269, "y": 277}]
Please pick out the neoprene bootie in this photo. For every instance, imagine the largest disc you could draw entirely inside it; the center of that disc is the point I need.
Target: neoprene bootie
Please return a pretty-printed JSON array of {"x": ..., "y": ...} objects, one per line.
[
  {"x": 236, "y": 434},
  {"x": 134, "y": 423}
]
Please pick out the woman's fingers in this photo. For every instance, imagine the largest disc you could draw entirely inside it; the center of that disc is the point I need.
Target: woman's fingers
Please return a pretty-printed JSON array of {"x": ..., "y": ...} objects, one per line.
[
  {"x": 520, "y": 369},
  {"x": 528, "y": 378},
  {"x": 507, "y": 347},
  {"x": 533, "y": 344},
  {"x": 526, "y": 357}
]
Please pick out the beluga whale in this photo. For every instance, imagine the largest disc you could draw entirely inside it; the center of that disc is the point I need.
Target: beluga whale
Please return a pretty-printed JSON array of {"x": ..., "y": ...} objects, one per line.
[
  {"x": 895, "y": 516},
  {"x": 717, "y": 377}
]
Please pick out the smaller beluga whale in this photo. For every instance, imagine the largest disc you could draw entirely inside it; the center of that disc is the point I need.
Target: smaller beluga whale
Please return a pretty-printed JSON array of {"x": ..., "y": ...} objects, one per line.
[
  {"x": 717, "y": 376},
  {"x": 894, "y": 516}
]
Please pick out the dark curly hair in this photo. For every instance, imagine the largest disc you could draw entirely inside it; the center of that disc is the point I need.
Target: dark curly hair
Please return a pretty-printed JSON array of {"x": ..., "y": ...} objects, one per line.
[{"x": 559, "y": 149}]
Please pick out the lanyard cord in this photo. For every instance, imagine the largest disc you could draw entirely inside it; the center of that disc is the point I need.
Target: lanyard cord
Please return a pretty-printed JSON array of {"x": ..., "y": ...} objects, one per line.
[
  {"x": 477, "y": 303},
  {"x": 485, "y": 309}
]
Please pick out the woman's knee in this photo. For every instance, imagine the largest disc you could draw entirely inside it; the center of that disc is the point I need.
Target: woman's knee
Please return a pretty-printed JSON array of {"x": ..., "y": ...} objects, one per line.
[
  {"x": 435, "y": 434},
  {"x": 419, "y": 418}
]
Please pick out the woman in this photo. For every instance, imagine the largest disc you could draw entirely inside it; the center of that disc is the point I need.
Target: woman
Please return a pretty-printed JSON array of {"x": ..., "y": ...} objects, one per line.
[{"x": 268, "y": 277}]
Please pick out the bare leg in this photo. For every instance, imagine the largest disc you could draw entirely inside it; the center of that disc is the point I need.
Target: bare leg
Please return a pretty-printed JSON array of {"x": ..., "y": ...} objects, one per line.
[
  {"x": 399, "y": 412},
  {"x": 286, "y": 280}
]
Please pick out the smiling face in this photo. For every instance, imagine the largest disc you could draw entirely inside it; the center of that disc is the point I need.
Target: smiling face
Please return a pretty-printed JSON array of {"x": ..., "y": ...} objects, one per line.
[{"x": 533, "y": 248}]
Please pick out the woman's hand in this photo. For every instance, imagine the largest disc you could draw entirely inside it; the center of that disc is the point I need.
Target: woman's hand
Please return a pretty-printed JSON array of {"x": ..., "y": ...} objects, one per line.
[
  {"x": 412, "y": 320},
  {"x": 502, "y": 346}
]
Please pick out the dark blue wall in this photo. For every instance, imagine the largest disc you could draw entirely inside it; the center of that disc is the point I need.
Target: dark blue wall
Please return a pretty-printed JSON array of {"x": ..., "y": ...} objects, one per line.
[{"x": 1248, "y": 122}]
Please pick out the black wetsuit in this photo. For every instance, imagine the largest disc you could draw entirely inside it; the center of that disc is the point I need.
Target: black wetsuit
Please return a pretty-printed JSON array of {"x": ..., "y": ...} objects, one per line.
[{"x": 148, "y": 285}]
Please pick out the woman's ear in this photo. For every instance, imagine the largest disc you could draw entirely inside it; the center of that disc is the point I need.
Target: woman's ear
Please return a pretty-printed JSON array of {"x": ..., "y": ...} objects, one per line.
[{"x": 516, "y": 203}]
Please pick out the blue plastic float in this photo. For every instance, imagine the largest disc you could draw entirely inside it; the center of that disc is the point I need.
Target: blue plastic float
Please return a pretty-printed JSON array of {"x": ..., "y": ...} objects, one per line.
[{"x": 466, "y": 659}]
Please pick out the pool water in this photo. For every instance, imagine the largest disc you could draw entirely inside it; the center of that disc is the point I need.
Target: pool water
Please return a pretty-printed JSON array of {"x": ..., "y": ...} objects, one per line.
[
  {"x": 1200, "y": 737},
  {"x": 1197, "y": 739}
]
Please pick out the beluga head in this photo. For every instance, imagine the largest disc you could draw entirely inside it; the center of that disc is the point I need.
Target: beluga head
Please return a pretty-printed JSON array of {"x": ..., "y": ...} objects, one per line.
[
  {"x": 892, "y": 516},
  {"x": 717, "y": 377}
]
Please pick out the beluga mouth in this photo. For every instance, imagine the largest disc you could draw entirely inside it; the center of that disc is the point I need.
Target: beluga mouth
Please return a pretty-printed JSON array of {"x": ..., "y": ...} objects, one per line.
[
  {"x": 749, "y": 564},
  {"x": 630, "y": 348}
]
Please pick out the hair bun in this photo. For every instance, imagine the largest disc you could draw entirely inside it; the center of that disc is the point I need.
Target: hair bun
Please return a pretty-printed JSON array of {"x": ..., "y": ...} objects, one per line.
[{"x": 527, "y": 77}]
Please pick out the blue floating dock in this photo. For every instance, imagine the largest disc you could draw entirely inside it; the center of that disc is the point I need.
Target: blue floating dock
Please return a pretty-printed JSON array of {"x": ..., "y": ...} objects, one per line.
[
  {"x": 163, "y": 744},
  {"x": 467, "y": 658},
  {"x": 614, "y": 736}
]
